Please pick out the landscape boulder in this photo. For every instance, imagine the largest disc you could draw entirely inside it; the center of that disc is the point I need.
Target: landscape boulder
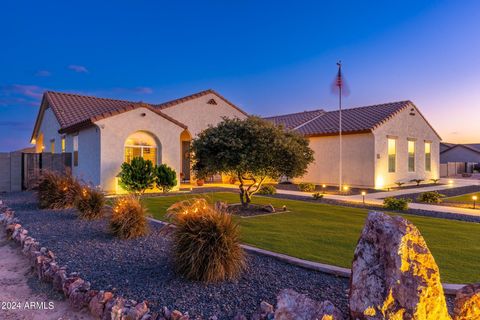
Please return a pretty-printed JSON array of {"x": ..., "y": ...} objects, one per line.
[
  {"x": 394, "y": 275},
  {"x": 293, "y": 305},
  {"x": 467, "y": 303}
]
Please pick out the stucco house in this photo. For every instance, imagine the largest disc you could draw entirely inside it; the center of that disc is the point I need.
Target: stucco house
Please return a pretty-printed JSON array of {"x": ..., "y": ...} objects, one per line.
[
  {"x": 103, "y": 133},
  {"x": 382, "y": 144},
  {"x": 452, "y": 152}
]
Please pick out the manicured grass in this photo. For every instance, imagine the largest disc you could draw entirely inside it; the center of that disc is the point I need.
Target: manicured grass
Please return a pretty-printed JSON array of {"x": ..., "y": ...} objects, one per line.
[
  {"x": 328, "y": 234},
  {"x": 464, "y": 198}
]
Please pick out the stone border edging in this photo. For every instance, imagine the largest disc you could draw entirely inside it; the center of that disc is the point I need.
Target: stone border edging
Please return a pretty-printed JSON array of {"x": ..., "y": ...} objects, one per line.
[
  {"x": 101, "y": 304},
  {"x": 448, "y": 288}
]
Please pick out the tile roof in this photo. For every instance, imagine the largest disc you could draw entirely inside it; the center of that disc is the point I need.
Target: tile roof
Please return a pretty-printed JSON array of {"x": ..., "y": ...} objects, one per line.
[
  {"x": 75, "y": 111},
  {"x": 354, "y": 120},
  {"x": 293, "y": 120}
]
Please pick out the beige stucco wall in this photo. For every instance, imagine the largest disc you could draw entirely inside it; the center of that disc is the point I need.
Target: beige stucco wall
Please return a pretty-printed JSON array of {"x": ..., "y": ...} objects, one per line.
[
  {"x": 49, "y": 129},
  {"x": 403, "y": 127},
  {"x": 115, "y": 130},
  {"x": 358, "y": 160},
  {"x": 197, "y": 114}
]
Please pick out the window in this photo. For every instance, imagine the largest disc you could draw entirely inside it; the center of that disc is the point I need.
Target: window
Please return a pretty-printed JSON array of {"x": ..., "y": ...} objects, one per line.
[
  {"x": 52, "y": 146},
  {"x": 141, "y": 144},
  {"x": 392, "y": 154},
  {"x": 75, "y": 151},
  {"x": 411, "y": 156},
  {"x": 63, "y": 144},
  {"x": 428, "y": 156}
]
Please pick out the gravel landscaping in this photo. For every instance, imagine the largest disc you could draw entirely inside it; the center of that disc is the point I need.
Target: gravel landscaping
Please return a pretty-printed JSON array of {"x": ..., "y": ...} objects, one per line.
[
  {"x": 447, "y": 192},
  {"x": 141, "y": 269}
]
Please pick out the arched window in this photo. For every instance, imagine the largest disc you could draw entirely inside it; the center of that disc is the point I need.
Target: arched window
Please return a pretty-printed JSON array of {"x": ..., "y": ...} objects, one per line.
[{"x": 141, "y": 144}]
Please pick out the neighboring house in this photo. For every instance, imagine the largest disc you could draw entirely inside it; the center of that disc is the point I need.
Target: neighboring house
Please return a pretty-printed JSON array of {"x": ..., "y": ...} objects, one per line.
[
  {"x": 467, "y": 153},
  {"x": 382, "y": 144},
  {"x": 103, "y": 133}
]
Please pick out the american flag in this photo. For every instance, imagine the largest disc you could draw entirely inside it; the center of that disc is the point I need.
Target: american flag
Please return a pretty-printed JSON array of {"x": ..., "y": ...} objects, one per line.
[{"x": 339, "y": 83}]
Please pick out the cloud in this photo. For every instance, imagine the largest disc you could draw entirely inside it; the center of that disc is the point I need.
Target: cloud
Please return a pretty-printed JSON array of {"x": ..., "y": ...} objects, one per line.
[
  {"x": 43, "y": 73},
  {"x": 20, "y": 95},
  {"x": 15, "y": 124},
  {"x": 78, "y": 68},
  {"x": 143, "y": 90}
]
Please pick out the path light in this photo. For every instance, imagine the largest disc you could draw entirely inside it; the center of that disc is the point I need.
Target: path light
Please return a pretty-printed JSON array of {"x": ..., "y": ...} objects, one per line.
[
  {"x": 363, "y": 196},
  {"x": 284, "y": 208},
  {"x": 474, "y": 198},
  {"x": 346, "y": 188}
]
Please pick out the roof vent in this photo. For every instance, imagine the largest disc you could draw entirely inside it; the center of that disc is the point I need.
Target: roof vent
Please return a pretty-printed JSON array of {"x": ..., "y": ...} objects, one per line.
[
  {"x": 412, "y": 112},
  {"x": 212, "y": 102}
]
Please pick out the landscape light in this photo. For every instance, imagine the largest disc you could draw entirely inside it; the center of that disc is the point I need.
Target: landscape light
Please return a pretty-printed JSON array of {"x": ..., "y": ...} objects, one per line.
[
  {"x": 474, "y": 198},
  {"x": 450, "y": 182},
  {"x": 345, "y": 188},
  {"x": 363, "y": 196},
  {"x": 323, "y": 187}
]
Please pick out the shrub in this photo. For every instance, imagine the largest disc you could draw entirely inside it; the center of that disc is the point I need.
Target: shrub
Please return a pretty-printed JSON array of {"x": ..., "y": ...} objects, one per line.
[
  {"x": 399, "y": 183},
  {"x": 306, "y": 187},
  {"x": 430, "y": 197},
  {"x": 57, "y": 191},
  {"x": 400, "y": 204},
  {"x": 206, "y": 244},
  {"x": 317, "y": 196},
  {"x": 417, "y": 181},
  {"x": 90, "y": 203},
  {"x": 435, "y": 181},
  {"x": 137, "y": 176},
  {"x": 128, "y": 218},
  {"x": 165, "y": 177},
  {"x": 267, "y": 189}
]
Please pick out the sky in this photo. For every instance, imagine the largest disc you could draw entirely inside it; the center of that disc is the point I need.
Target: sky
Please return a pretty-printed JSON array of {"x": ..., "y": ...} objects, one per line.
[{"x": 267, "y": 57}]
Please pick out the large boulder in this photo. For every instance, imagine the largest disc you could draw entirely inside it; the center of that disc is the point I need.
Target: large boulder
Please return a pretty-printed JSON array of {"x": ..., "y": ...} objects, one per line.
[
  {"x": 467, "y": 303},
  {"x": 394, "y": 275},
  {"x": 292, "y": 305}
]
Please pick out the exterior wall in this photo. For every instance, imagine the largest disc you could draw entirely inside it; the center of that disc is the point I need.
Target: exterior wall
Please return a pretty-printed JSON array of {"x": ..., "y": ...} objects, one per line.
[
  {"x": 358, "y": 160},
  {"x": 403, "y": 127},
  {"x": 197, "y": 114},
  {"x": 49, "y": 129},
  {"x": 115, "y": 130},
  {"x": 88, "y": 168},
  {"x": 460, "y": 154}
]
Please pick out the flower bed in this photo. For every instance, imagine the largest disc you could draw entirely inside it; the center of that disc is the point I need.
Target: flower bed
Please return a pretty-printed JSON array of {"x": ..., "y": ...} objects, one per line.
[{"x": 141, "y": 269}]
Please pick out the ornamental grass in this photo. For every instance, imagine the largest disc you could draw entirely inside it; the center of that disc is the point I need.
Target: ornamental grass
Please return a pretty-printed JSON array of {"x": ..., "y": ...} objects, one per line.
[
  {"x": 57, "y": 191},
  {"x": 90, "y": 203},
  {"x": 129, "y": 218},
  {"x": 206, "y": 244}
]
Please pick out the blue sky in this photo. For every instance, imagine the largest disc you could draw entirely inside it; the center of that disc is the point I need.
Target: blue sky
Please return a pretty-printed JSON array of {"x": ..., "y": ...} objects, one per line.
[{"x": 267, "y": 57}]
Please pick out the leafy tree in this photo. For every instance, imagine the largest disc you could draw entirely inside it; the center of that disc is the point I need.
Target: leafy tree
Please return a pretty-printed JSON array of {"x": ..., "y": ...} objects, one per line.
[
  {"x": 252, "y": 150},
  {"x": 165, "y": 177},
  {"x": 137, "y": 176}
]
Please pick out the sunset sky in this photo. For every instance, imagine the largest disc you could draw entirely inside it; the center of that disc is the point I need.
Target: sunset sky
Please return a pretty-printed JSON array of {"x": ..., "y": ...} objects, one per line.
[{"x": 266, "y": 57}]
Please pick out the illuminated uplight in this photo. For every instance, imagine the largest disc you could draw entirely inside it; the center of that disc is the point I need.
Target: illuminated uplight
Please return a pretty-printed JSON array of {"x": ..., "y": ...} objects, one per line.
[
  {"x": 346, "y": 188},
  {"x": 450, "y": 182},
  {"x": 379, "y": 182},
  {"x": 33, "y": 141},
  {"x": 324, "y": 186}
]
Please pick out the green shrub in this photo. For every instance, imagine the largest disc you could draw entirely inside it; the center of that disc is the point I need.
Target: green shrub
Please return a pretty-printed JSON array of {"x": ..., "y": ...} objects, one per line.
[
  {"x": 137, "y": 176},
  {"x": 267, "y": 189},
  {"x": 165, "y": 177},
  {"x": 306, "y": 187},
  {"x": 90, "y": 203},
  {"x": 57, "y": 191},
  {"x": 317, "y": 196},
  {"x": 430, "y": 197},
  {"x": 129, "y": 218},
  {"x": 435, "y": 181},
  {"x": 417, "y": 181},
  {"x": 400, "y": 204},
  {"x": 206, "y": 243},
  {"x": 399, "y": 183}
]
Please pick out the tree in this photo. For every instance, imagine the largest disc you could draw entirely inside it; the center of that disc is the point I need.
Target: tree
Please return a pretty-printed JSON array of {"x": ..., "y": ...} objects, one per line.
[
  {"x": 137, "y": 176},
  {"x": 251, "y": 150},
  {"x": 165, "y": 177}
]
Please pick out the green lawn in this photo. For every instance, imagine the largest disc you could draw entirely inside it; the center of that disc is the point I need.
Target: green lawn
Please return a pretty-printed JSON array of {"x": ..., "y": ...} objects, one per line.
[
  {"x": 464, "y": 198},
  {"x": 328, "y": 234}
]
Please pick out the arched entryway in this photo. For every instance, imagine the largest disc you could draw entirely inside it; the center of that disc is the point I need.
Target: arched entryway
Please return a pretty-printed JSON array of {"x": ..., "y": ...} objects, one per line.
[
  {"x": 185, "y": 140},
  {"x": 143, "y": 144}
]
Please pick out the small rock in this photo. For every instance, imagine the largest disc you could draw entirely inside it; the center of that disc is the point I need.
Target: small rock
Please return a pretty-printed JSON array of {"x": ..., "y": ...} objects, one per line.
[
  {"x": 467, "y": 303},
  {"x": 268, "y": 208}
]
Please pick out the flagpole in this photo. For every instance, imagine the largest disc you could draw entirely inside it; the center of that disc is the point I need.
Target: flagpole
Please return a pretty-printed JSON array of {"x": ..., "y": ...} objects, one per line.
[{"x": 340, "y": 85}]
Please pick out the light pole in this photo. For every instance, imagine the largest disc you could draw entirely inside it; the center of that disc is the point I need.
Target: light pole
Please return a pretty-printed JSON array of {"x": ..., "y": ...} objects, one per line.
[
  {"x": 474, "y": 198},
  {"x": 363, "y": 196}
]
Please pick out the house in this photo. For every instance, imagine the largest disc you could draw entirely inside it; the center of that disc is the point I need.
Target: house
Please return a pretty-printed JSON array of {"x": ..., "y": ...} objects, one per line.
[
  {"x": 102, "y": 133},
  {"x": 382, "y": 144},
  {"x": 451, "y": 152}
]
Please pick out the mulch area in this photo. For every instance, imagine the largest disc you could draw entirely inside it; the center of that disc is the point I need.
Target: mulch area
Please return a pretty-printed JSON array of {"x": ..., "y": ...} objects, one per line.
[{"x": 142, "y": 268}]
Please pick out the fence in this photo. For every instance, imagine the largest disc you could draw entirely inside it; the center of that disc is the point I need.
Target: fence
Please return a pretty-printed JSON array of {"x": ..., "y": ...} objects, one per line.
[{"x": 19, "y": 171}]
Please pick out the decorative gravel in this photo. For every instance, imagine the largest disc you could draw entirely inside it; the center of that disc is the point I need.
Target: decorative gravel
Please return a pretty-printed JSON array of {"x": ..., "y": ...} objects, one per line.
[
  {"x": 141, "y": 269},
  {"x": 453, "y": 192}
]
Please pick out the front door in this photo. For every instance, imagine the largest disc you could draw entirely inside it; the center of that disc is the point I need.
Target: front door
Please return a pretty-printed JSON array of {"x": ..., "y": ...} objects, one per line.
[{"x": 186, "y": 160}]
